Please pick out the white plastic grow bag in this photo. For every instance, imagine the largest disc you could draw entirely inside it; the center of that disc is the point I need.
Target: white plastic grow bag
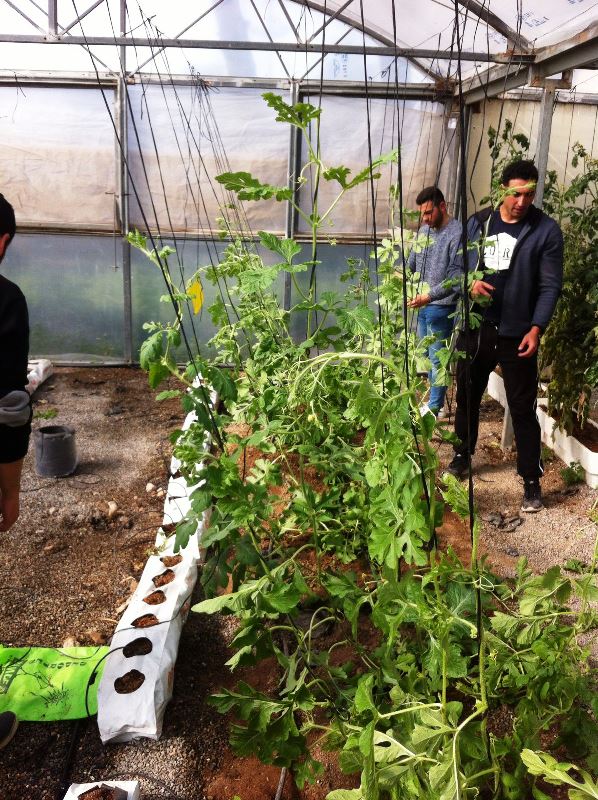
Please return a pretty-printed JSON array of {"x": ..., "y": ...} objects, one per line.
[
  {"x": 130, "y": 787},
  {"x": 126, "y": 713}
]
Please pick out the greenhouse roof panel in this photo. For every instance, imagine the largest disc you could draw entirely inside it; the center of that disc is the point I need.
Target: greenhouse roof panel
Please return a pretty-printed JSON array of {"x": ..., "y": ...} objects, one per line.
[{"x": 487, "y": 29}]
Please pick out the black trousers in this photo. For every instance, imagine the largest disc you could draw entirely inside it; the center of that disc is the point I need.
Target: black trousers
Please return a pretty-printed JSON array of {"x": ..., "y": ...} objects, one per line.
[{"x": 487, "y": 349}]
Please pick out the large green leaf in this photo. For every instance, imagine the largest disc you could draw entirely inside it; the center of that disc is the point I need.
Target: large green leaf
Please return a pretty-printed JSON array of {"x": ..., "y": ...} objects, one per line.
[{"x": 246, "y": 187}]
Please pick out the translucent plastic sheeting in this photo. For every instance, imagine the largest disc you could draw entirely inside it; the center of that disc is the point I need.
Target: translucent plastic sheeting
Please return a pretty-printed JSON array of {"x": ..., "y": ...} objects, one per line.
[
  {"x": 426, "y": 154},
  {"x": 74, "y": 294},
  {"x": 148, "y": 286},
  {"x": 231, "y": 20},
  {"x": 186, "y": 140},
  {"x": 430, "y": 24},
  {"x": 57, "y": 160},
  {"x": 425, "y": 24}
]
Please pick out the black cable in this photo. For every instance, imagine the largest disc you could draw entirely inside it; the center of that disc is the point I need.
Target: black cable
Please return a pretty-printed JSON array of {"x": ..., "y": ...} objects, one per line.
[
  {"x": 404, "y": 272},
  {"x": 371, "y": 183},
  {"x": 466, "y": 320},
  {"x": 163, "y": 266}
]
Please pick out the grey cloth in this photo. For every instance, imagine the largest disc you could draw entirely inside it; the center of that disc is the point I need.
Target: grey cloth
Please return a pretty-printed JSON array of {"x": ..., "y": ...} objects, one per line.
[
  {"x": 438, "y": 261},
  {"x": 15, "y": 409}
]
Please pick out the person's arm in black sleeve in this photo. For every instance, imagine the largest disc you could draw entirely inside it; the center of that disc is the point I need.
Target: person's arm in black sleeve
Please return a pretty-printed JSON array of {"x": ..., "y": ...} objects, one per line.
[
  {"x": 550, "y": 279},
  {"x": 550, "y": 282}
]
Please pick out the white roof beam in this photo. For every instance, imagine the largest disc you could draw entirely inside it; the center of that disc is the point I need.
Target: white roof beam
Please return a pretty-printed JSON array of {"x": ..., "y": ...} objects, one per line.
[
  {"x": 83, "y": 15},
  {"x": 287, "y": 47},
  {"x": 53, "y": 17},
  {"x": 513, "y": 36},
  {"x": 576, "y": 52},
  {"x": 337, "y": 15},
  {"x": 289, "y": 20}
]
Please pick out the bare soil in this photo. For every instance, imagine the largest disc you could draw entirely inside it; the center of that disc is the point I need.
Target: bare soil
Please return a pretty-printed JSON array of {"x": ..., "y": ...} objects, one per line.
[{"x": 70, "y": 564}]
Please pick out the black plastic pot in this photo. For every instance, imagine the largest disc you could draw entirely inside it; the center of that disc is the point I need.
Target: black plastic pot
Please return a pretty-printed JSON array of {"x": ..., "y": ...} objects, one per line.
[{"x": 55, "y": 451}]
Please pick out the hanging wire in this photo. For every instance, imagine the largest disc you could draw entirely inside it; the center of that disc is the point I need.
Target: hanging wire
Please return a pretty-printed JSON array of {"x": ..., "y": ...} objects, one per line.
[
  {"x": 371, "y": 183},
  {"x": 162, "y": 264}
]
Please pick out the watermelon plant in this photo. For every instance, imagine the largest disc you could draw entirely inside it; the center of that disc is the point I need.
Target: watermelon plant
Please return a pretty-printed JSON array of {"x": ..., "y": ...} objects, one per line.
[{"x": 427, "y": 676}]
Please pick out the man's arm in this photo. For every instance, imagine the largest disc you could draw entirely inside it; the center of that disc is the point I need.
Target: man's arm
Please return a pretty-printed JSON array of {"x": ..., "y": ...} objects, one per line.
[
  {"x": 550, "y": 279},
  {"x": 10, "y": 487},
  {"x": 550, "y": 282}
]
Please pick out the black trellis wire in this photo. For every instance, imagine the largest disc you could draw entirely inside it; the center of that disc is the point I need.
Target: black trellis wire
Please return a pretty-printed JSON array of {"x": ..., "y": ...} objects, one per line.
[{"x": 373, "y": 200}]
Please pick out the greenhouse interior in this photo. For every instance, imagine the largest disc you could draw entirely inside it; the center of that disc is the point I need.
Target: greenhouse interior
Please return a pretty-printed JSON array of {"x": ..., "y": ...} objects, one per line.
[{"x": 300, "y": 338}]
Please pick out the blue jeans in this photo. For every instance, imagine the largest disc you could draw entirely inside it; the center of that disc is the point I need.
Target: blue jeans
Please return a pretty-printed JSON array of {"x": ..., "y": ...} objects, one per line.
[{"x": 433, "y": 320}]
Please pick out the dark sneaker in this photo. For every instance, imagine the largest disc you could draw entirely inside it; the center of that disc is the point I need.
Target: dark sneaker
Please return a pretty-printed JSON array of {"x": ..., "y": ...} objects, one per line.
[
  {"x": 8, "y": 727},
  {"x": 458, "y": 467},
  {"x": 532, "y": 497}
]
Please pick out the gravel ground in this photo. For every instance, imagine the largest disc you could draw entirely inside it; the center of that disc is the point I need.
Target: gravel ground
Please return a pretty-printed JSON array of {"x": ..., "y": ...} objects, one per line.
[
  {"x": 65, "y": 573},
  {"x": 562, "y": 531}
]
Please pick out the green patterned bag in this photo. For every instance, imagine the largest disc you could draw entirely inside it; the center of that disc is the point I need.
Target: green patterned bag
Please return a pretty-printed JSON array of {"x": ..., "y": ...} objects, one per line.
[{"x": 48, "y": 684}]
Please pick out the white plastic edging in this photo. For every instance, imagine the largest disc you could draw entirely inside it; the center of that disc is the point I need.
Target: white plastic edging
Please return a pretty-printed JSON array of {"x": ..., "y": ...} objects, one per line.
[
  {"x": 130, "y": 787},
  {"x": 566, "y": 447},
  {"x": 123, "y": 716}
]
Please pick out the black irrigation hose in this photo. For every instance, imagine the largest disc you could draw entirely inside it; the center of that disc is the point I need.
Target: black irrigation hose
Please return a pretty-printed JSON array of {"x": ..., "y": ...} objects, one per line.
[{"x": 68, "y": 761}]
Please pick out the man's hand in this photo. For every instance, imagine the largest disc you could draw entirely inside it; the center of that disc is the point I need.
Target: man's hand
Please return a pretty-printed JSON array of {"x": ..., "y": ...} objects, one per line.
[
  {"x": 529, "y": 343},
  {"x": 418, "y": 301},
  {"x": 481, "y": 289}
]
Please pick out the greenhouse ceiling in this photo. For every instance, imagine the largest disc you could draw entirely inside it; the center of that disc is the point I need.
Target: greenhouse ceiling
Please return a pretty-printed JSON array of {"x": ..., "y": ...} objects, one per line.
[{"x": 496, "y": 45}]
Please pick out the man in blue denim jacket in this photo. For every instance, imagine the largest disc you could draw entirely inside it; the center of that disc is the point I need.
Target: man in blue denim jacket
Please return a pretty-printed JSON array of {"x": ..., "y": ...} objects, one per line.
[{"x": 520, "y": 252}]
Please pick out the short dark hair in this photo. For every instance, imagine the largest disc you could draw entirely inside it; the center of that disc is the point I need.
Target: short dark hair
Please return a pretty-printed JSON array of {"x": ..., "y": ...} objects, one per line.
[
  {"x": 432, "y": 193},
  {"x": 7, "y": 218},
  {"x": 519, "y": 170}
]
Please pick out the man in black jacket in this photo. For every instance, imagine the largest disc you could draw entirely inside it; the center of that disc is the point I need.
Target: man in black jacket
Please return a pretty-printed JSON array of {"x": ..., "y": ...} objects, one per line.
[
  {"x": 15, "y": 409},
  {"x": 520, "y": 252},
  {"x": 15, "y": 406}
]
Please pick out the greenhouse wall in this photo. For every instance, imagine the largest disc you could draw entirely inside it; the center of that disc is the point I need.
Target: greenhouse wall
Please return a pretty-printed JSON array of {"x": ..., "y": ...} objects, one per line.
[
  {"x": 57, "y": 160},
  {"x": 60, "y": 166},
  {"x": 572, "y": 122}
]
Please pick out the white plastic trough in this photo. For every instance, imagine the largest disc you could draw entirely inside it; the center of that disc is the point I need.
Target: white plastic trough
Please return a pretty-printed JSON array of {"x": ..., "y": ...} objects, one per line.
[
  {"x": 140, "y": 713},
  {"x": 566, "y": 447}
]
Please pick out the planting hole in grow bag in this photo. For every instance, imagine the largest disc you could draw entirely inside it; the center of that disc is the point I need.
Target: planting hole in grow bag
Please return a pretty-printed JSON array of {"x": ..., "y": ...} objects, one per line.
[
  {"x": 145, "y": 621},
  {"x": 103, "y": 792},
  {"x": 168, "y": 527},
  {"x": 129, "y": 682},
  {"x": 164, "y": 578},
  {"x": 138, "y": 647},
  {"x": 155, "y": 598},
  {"x": 170, "y": 561}
]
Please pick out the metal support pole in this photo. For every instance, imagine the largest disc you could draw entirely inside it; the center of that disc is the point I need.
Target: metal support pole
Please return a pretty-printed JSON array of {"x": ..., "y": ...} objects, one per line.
[
  {"x": 122, "y": 152},
  {"x": 461, "y": 168},
  {"x": 451, "y": 133},
  {"x": 291, "y": 214},
  {"x": 546, "y": 111},
  {"x": 52, "y": 17}
]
